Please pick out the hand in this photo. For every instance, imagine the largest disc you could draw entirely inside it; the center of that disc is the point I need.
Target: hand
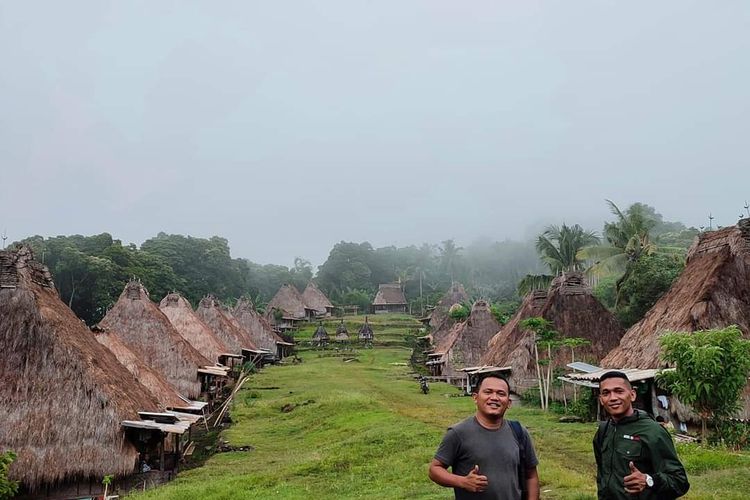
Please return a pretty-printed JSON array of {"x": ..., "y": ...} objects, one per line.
[
  {"x": 636, "y": 481},
  {"x": 475, "y": 482}
]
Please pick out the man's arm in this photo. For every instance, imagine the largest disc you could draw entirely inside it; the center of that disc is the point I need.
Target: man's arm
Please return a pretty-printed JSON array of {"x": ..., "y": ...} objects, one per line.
[
  {"x": 670, "y": 476},
  {"x": 532, "y": 484},
  {"x": 473, "y": 482}
]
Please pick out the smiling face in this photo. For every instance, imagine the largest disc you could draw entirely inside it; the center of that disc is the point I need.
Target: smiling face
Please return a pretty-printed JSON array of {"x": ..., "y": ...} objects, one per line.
[
  {"x": 616, "y": 396},
  {"x": 492, "y": 398}
]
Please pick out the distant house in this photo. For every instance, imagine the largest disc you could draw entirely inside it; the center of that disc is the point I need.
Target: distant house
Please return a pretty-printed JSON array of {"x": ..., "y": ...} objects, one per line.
[
  {"x": 317, "y": 301},
  {"x": 287, "y": 308},
  {"x": 390, "y": 299}
]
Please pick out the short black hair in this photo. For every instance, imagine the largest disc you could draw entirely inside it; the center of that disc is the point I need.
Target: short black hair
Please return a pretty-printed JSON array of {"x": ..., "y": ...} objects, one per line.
[
  {"x": 614, "y": 374},
  {"x": 491, "y": 375}
]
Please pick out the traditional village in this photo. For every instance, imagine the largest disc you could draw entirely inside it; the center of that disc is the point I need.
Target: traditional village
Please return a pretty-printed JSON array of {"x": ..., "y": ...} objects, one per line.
[{"x": 127, "y": 404}]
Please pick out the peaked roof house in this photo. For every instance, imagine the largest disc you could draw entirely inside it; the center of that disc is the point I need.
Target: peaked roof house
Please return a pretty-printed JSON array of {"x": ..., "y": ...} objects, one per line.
[
  {"x": 342, "y": 334},
  {"x": 145, "y": 330},
  {"x": 320, "y": 337},
  {"x": 259, "y": 329},
  {"x": 317, "y": 301},
  {"x": 63, "y": 396},
  {"x": 287, "y": 308},
  {"x": 456, "y": 294},
  {"x": 389, "y": 299},
  {"x": 465, "y": 343},
  {"x": 713, "y": 291},
  {"x": 187, "y": 323},
  {"x": 365, "y": 332},
  {"x": 234, "y": 337}
]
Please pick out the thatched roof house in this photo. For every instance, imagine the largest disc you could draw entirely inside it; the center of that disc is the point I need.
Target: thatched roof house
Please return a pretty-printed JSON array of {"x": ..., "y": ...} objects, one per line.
[
  {"x": 235, "y": 338},
  {"x": 365, "y": 332},
  {"x": 713, "y": 291},
  {"x": 389, "y": 299},
  {"x": 342, "y": 333},
  {"x": 456, "y": 294},
  {"x": 289, "y": 302},
  {"x": 465, "y": 343},
  {"x": 316, "y": 300},
  {"x": 260, "y": 330},
  {"x": 320, "y": 337},
  {"x": 63, "y": 396},
  {"x": 180, "y": 313},
  {"x": 574, "y": 312},
  {"x": 149, "y": 378},
  {"x": 145, "y": 330}
]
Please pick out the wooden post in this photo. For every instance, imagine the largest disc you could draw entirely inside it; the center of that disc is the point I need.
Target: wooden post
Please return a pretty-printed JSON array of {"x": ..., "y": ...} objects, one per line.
[{"x": 161, "y": 453}]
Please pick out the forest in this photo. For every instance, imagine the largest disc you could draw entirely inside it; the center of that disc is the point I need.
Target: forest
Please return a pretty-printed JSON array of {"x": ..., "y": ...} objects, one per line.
[{"x": 630, "y": 262}]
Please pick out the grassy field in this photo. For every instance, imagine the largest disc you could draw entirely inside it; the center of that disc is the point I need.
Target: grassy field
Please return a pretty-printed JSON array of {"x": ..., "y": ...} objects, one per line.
[{"x": 362, "y": 429}]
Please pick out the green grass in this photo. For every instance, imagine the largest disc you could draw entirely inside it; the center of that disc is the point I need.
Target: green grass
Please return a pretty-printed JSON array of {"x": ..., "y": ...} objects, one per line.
[{"x": 364, "y": 430}]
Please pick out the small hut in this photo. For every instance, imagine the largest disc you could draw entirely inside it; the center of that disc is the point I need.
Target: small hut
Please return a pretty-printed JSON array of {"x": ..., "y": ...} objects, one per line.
[
  {"x": 574, "y": 312},
  {"x": 187, "y": 323},
  {"x": 713, "y": 291},
  {"x": 342, "y": 334},
  {"x": 287, "y": 308},
  {"x": 259, "y": 329},
  {"x": 317, "y": 301},
  {"x": 365, "y": 333},
  {"x": 389, "y": 299},
  {"x": 63, "y": 396},
  {"x": 145, "y": 330},
  {"x": 465, "y": 343},
  {"x": 320, "y": 337},
  {"x": 236, "y": 339}
]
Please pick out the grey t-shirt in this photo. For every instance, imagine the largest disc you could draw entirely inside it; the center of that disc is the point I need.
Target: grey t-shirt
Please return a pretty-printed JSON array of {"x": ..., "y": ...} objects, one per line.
[{"x": 467, "y": 444}]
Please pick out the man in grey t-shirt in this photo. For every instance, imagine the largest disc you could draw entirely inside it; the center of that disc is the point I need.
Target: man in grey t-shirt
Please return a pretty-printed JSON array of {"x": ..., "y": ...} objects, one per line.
[{"x": 484, "y": 451}]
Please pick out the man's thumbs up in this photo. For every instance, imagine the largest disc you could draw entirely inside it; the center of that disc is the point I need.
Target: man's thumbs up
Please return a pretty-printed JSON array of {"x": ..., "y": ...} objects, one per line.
[
  {"x": 635, "y": 482},
  {"x": 474, "y": 481}
]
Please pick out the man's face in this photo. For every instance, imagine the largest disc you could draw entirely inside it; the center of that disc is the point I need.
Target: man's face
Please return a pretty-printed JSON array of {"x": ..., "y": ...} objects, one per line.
[
  {"x": 492, "y": 398},
  {"x": 616, "y": 396}
]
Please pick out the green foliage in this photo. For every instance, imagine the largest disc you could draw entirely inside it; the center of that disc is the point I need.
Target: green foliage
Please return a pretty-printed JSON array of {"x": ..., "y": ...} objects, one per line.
[
  {"x": 732, "y": 433},
  {"x": 649, "y": 278},
  {"x": 532, "y": 282},
  {"x": 459, "y": 313},
  {"x": 503, "y": 311},
  {"x": 558, "y": 247},
  {"x": 585, "y": 406},
  {"x": 605, "y": 292},
  {"x": 8, "y": 488},
  {"x": 711, "y": 370}
]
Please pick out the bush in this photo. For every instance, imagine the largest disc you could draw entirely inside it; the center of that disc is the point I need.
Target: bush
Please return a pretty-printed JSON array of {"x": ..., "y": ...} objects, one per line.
[
  {"x": 8, "y": 488},
  {"x": 732, "y": 433},
  {"x": 585, "y": 407}
]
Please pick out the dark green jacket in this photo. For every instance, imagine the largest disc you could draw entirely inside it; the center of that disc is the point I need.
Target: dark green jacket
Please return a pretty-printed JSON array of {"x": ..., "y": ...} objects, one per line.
[{"x": 640, "y": 439}]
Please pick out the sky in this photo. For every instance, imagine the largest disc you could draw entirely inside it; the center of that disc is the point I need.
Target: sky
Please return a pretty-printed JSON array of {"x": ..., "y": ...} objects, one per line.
[{"x": 286, "y": 127}]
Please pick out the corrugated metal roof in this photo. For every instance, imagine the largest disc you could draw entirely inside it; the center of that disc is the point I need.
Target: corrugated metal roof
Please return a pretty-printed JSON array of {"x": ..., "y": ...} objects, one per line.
[
  {"x": 583, "y": 367},
  {"x": 592, "y": 379}
]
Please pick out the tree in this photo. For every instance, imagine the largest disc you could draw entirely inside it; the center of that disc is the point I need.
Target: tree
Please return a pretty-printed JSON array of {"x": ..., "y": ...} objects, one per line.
[
  {"x": 546, "y": 337},
  {"x": 8, "y": 488},
  {"x": 711, "y": 371},
  {"x": 649, "y": 278},
  {"x": 450, "y": 255},
  {"x": 572, "y": 343}
]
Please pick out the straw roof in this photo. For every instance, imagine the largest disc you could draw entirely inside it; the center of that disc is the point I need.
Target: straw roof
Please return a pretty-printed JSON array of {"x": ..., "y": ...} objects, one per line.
[
  {"x": 574, "y": 313},
  {"x": 149, "y": 378},
  {"x": 467, "y": 340},
  {"x": 320, "y": 333},
  {"x": 145, "y": 330},
  {"x": 234, "y": 337},
  {"x": 63, "y": 395},
  {"x": 341, "y": 332},
  {"x": 289, "y": 301},
  {"x": 180, "y": 313},
  {"x": 389, "y": 294},
  {"x": 313, "y": 298},
  {"x": 713, "y": 291},
  {"x": 365, "y": 331},
  {"x": 456, "y": 294},
  {"x": 260, "y": 331}
]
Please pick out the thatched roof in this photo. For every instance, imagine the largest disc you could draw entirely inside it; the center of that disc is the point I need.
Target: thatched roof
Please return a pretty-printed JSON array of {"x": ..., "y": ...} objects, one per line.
[
  {"x": 235, "y": 338},
  {"x": 320, "y": 333},
  {"x": 149, "y": 378},
  {"x": 289, "y": 301},
  {"x": 467, "y": 340},
  {"x": 389, "y": 294},
  {"x": 313, "y": 298},
  {"x": 260, "y": 331},
  {"x": 63, "y": 395},
  {"x": 180, "y": 313},
  {"x": 342, "y": 333},
  {"x": 365, "y": 331},
  {"x": 574, "y": 312},
  {"x": 713, "y": 291},
  {"x": 455, "y": 295},
  {"x": 146, "y": 331}
]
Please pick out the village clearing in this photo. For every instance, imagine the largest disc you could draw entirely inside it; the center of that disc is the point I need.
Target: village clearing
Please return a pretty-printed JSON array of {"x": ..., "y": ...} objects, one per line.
[{"x": 361, "y": 428}]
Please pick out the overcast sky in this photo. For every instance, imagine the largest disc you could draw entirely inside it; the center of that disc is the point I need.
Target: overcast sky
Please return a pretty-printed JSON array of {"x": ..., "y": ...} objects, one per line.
[{"x": 289, "y": 126}]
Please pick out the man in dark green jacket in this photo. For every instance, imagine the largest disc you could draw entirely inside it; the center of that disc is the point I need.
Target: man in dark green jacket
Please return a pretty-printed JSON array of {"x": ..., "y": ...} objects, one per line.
[{"x": 635, "y": 456}]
